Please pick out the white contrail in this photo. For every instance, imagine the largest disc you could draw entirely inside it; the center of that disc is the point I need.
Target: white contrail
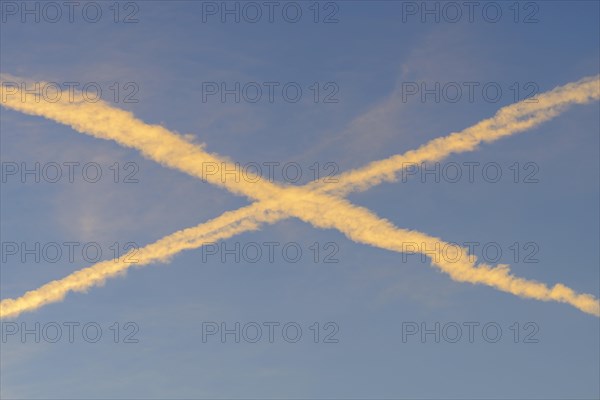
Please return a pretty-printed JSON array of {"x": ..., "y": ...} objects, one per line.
[{"x": 357, "y": 223}]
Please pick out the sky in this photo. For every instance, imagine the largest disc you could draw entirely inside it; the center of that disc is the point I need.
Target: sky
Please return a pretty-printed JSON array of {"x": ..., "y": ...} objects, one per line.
[{"x": 339, "y": 316}]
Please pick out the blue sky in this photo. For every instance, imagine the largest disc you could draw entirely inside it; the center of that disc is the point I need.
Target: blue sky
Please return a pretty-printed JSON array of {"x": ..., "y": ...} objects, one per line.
[{"x": 370, "y": 55}]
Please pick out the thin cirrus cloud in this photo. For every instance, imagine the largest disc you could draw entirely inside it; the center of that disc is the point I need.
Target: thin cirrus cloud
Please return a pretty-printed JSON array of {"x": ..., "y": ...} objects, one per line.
[{"x": 321, "y": 205}]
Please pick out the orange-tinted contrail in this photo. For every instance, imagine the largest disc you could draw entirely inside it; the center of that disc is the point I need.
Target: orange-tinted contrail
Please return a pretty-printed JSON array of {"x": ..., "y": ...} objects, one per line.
[{"x": 312, "y": 203}]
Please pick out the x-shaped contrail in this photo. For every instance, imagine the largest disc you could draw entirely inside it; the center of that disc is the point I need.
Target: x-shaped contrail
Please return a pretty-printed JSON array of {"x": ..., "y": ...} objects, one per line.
[{"x": 320, "y": 204}]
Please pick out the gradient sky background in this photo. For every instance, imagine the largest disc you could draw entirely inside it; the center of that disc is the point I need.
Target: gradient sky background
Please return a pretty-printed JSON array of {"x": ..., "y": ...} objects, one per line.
[{"x": 370, "y": 292}]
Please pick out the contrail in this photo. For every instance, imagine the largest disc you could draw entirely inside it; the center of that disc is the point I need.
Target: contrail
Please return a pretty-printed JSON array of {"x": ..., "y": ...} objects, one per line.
[
  {"x": 229, "y": 224},
  {"x": 365, "y": 227},
  {"x": 101, "y": 120},
  {"x": 509, "y": 120},
  {"x": 169, "y": 149}
]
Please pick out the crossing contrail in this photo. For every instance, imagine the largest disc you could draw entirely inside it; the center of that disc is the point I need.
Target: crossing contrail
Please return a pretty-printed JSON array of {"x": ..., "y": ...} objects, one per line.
[{"x": 312, "y": 203}]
